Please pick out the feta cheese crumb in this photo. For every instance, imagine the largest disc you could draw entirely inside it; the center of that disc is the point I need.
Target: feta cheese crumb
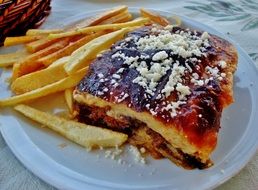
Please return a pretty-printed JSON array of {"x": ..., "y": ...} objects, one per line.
[
  {"x": 100, "y": 75},
  {"x": 222, "y": 64},
  {"x": 205, "y": 36},
  {"x": 183, "y": 90},
  {"x": 182, "y": 43},
  {"x": 161, "y": 55},
  {"x": 113, "y": 154},
  {"x": 116, "y": 76},
  {"x": 137, "y": 155},
  {"x": 142, "y": 150}
]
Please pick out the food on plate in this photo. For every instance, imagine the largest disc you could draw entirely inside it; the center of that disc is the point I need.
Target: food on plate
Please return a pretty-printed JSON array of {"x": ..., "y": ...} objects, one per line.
[
  {"x": 84, "y": 135},
  {"x": 102, "y": 17},
  {"x": 119, "y": 18},
  {"x": 37, "y": 45},
  {"x": 91, "y": 49},
  {"x": 29, "y": 64},
  {"x": 7, "y": 60},
  {"x": 60, "y": 61},
  {"x": 166, "y": 88},
  {"x": 159, "y": 84},
  {"x": 34, "y": 32},
  {"x": 69, "y": 99},
  {"x": 38, "y": 79},
  {"x": 90, "y": 29},
  {"x": 156, "y": 18},
  {"x": 68, "y": 50},
  {"x": 11, "y": 41},
  {"x": 61, "y": 85},
  {"x": 45, "y": 42}
]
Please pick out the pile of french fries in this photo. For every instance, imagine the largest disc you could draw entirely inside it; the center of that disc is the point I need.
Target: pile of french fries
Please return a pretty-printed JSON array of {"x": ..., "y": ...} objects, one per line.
[{"x": 56, "y": 60}]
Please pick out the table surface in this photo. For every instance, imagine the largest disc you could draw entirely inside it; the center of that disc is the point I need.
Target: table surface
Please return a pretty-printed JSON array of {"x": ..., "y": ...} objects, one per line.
[{"x": 236, "y": 18}]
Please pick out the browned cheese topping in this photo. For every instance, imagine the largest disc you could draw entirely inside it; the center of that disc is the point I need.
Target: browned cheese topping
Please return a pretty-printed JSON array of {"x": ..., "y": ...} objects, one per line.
[{"x": 155, "y": 69}]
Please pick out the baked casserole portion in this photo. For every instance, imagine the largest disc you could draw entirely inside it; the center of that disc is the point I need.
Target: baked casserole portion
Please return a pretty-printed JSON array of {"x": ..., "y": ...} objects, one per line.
[{"x": 165, "y": 87}]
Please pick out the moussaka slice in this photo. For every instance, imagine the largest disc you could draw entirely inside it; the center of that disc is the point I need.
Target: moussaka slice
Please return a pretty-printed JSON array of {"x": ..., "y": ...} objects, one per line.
[{"x": 164, "y": 87}]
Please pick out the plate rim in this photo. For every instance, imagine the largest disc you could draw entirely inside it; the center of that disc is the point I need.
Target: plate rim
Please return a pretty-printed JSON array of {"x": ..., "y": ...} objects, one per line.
[{"x": 46, "y": 176}]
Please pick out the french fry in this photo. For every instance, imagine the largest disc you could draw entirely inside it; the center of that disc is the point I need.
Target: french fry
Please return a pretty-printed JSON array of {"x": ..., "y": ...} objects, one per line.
[
  {"x": 69, "y": 49},
  {"x": 9, "y": 59},
  {"x": 60, "y": 61},
  {"x": 90, "y": 29},
  {"x": 85, "y": 135},
  {"x": 116, "y": 19},
  {"x": 49, "y": 59},
  {"x": 58, "y": 86},
  {"x": 40, "y": 44},
  {"x": 38, "y": 79},
  {"x": 34, "y": 32},
  {"x": 64, "y": 60},
  {"x": 125, "y": 19},
  {"x": 43, "y": 43},
  {"x": 99, "y": 18},
  {"x": 91, "y": 49},
  {"x": 11, "y": 41},
  {"x": 68, "y": 94},
  {"x": 156, "y": 18},
  {"x": 30, "y": 64},
  {"x": 175, "y": 20},
  {"x": 15, "y": 71}
]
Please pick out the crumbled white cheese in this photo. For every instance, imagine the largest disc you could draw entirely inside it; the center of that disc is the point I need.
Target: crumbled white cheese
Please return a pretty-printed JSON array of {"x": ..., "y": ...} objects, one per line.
[
  {"x": 174, "y": 78},
  {"x": 124, "y": 96},
  {"x": 100, "y": 75},
  {"x": 105, "y": 89},
  {"x": 113, "y": 81},
  {"x": 142, "y": 150},
  {"x": 182, "y": 90},
  {"x": 200, "y": 82},
  {"x": 182, "y": 44},
  {"x": 115, "y": 85},
  {"x": 220, "y": 78},
  {"x": 116, "y": 76},
  {"x": 161, "y": 55},
  {"x": 188, "y": 67},
  {"x": 137, "y": 155},
  {"x": 222, "y": 64},
  {"x": 213, "y": 71},
  {"x": 223, "y": 74},
  {"x": 195, "y": 76},
  {"x": 186, "y": 44},
  {"x": 205, "y": 36},
  {"x": 172, "y": 107},
  {"x": 100, "y": 93},
  {"x": 120, "y": 70},
  {"x": 113, "y": 154}
]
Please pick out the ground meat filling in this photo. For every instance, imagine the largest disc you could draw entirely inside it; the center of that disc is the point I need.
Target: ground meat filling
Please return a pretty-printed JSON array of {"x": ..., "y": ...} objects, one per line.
[{"x": 139, "y": 135}]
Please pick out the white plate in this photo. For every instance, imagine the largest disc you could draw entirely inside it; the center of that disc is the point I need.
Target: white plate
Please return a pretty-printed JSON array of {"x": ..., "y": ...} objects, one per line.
[{"x": 74, "y": 168}]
